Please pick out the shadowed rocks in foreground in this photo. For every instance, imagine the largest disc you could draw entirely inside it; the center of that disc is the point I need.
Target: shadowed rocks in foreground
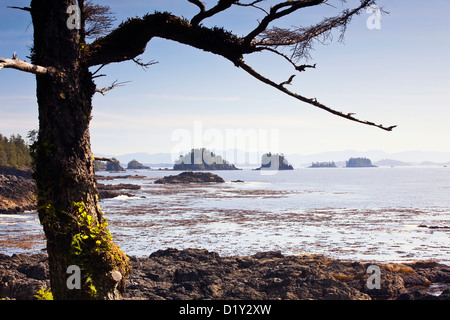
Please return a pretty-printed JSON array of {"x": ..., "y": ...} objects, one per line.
[{"x": 199, "y": 274}]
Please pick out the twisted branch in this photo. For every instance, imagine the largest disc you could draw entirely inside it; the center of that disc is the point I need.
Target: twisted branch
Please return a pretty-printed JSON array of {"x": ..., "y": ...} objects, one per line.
[{"x": 311, "y": 101}]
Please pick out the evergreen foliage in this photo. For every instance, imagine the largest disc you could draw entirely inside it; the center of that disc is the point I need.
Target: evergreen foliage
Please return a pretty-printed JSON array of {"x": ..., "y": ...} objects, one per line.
[
  {"x": 323, "y": 165},
  {"x": 134, "y": 164},
  {"x": 359, "y": 162},
  {"x": 14, "y": 152},
  {"x": 202, "y": 159}
]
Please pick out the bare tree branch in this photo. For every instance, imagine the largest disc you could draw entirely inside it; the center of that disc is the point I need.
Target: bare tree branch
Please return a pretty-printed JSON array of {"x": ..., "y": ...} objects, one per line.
[
  {"x": 103, "y": 159},
  {"x": 28, "y": 9},
  {"x": 100, "y": 68},
  {"x": 221, "y": 6},
  {"x": 114, "y": 85},
  {"x": 16, "y": 63},
  {"x": 144, "y": 65},
  {"x": 312, "y": 101},
  {"x": 252, "y": 4},
  {"x": 299, "y": 68},
  {"x": 99, "y": 19},
  {"x": 199, "y": 4},
  {"x": 130, "y": 39},
  {"x": 302, "y": 38},
  {"x": 274, "y": 14}
]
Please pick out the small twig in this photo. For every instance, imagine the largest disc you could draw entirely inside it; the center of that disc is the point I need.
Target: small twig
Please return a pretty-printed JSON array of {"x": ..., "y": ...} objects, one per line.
[
  {"x": 289, "y": 81},
  {"x": 103, "y": 159},
  {"x": 99, "y": 69},
  {"x": 144, "y": 65},
  {"x": 99, "y": 76},
  {"x": 252, "y": 5},
  {"x": 115, "y": 84},
  {"x": 299, "y": 68},
  {"x": 302, "y": 67},
  {"x": 199, "y": 4},
  {"x": 28, "y": 9}
]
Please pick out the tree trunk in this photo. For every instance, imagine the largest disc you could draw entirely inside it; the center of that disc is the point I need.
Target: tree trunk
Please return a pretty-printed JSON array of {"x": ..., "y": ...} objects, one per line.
[{"x": 67, "y": 195}]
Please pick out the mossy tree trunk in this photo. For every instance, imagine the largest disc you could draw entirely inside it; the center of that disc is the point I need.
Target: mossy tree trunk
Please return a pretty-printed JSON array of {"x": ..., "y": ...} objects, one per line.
[{"x": 68, "y": 206}]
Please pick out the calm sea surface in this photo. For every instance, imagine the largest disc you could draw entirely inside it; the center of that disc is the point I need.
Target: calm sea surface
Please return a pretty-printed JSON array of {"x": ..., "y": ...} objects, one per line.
[{"x": 371, "y": 214}]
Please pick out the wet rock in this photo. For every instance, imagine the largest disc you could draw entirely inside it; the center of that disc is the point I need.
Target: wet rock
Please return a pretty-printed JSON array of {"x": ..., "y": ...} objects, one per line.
[
  {"x": 108, "y": 191},
  {"x": 100, "y": 177},
  {"x": 191, "y": 177},
  {"x": 120, "y": 186},
  {"x": 21, "y": 276},
  {"x": 200, "y": 274}
]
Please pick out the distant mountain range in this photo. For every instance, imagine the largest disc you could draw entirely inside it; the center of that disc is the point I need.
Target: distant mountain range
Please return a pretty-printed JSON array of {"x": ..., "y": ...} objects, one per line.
[{"x": 253, "y": 159}]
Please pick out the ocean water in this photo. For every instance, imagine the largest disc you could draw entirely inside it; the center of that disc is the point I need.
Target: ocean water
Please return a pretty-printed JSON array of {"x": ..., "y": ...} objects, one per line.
[{"x": 370, "y": 214}]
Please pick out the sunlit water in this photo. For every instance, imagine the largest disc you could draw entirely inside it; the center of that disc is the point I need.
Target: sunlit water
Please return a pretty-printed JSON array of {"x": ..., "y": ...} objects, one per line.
[{"x": 372, "y": 214}]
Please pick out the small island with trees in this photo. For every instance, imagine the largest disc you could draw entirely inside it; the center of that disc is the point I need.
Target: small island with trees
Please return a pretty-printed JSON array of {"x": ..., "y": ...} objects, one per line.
[
  {"x": 359, "y": 163},
  {"x": 323, "y": 165},
  {"x": 111, "y": 165},
  {"x": 202, "y": 159},
  {"x": 136, "y": 165},
  {"x": 274, "y": 161}
]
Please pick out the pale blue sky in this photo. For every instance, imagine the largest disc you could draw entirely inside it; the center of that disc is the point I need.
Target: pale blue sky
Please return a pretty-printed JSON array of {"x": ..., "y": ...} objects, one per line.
[{"x": 396, "y": 75}]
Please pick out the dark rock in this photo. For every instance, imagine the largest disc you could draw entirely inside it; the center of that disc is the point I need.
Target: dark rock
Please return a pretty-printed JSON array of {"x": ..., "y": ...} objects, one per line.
[
  {"x": 35, "y": 271},
  {"x": 108, "y": 191},
  {"x": 191, "y": 177},
  {"x": 24, "y": 173},
  {"x": 17, "y": 194},
  {"x": 201, "y": 274},
  {"x": 21, "y": 276},
  {"x": 105, "y": 194},
  {"x": 120, "y": 186},
  {"x": 128, "y": 176},
  {"x": 275, "y": 161}
]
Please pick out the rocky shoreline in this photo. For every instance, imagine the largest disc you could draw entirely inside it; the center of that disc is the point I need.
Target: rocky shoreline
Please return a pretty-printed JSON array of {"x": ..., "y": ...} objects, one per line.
[
  {"x": 196, "y": 274},
  {"x": 17, "y": 190},
  {"x": 17, "y": 194}
]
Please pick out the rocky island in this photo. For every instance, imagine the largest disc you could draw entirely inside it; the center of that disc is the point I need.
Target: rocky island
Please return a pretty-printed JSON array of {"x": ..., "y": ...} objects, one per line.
[
  {"x": 359, "y": 163},
  {"x": 136, "y": 165},
  {"x": 274, "y": 161},
  {"x": 202, "y": 159}
]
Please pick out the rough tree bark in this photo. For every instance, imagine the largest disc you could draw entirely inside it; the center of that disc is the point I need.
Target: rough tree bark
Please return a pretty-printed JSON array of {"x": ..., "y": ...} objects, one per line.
[{"x": 67, "y": 196}]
